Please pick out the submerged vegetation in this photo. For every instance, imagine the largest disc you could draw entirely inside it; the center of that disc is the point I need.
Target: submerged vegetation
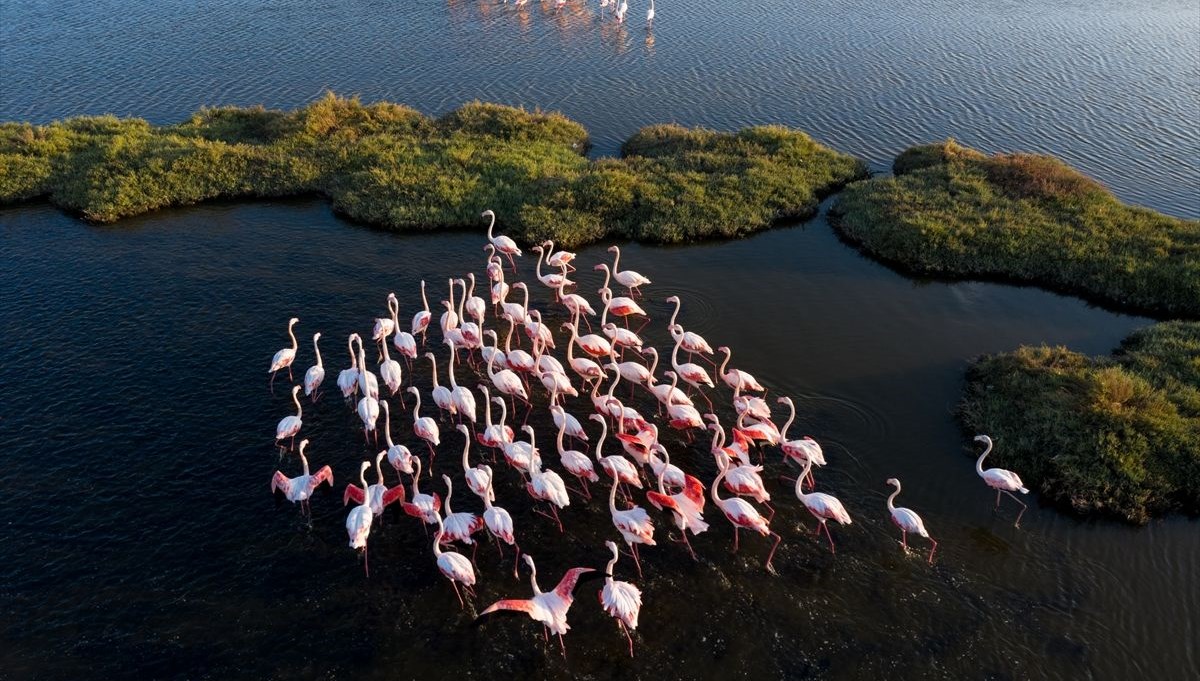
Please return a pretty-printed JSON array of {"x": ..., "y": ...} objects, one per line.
[
  {"x": 951, "y": 210},
  {"x": 1117, "y": 435},
  {"x": 391, "y": 166}
]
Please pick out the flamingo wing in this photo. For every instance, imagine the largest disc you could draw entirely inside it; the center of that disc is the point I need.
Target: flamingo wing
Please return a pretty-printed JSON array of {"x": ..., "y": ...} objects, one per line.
[
  {"x": 325, "y": 474},
  {"x": 517, "y": 605},
  {"x": 694, "y": 489},
  {"x": 353, "y": 493},
  {"x": 281, "y": 483},
  {"x": 567, "y": 584},
  {"x": 393, "y": 495},
  {"x": 659, "y": 500}
]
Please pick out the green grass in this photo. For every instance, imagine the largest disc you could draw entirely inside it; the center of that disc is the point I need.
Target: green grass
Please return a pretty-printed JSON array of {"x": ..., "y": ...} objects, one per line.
[
  {"x": 951, "y": 210},
  {"x": 1117, "y": 436},
  {"x": 391, "y": 166}
]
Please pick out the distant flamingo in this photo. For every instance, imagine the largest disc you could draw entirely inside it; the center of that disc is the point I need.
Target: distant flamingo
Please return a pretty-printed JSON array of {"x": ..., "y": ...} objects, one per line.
[
  {"x": 687, "y": 506},
  {"x": 300, "y": 488},
  {"x": 627, "y": 278},
  {"x": 518, "y": 453},
  {"x": 368, "y": 406},
  {"x": 584, "y": 367},
  {"x": 463, "y": 399},
  {"x": 283, "y": 359},
  {"x": 742, "y": 515},
  {"x": 420, "y": 505},
  {"x": 617, "y": 467},
  {"x": 397, "y": 455},
  {"x": 425, "y": 428},
  {"x": 822, "y": 506},
  {"x": 634, "y": 524},
  {"x": 507, "y": 382},
  {"x": 736, "y": 378},
  {"x": 290, "y": 425},
  {"x": 475, "y": 305},
  {"x": 1000, "y": 479},
  {"x": 442, "y": 396},
  {"x": 348, "y": 378},
  {"x": 453, "y": 565},
  {"x": 669, "y": 394},
  {"x": 563, "y": 419},
  {"x": 420, "y": 320},
  {"x": 650, "y": 17},
  {"x": 499, "y": 522},
  {"x": 907, "y": 520},
  {"x": 316, "y": 373},
  {"x": 802, "y": 450},
  {"x": 377, "y": 496},
  {"x": 550, "y": 607},
  {"x": 478, "y": 477},
  {"x": 459, "y": 526},
  {"x": 574, "y": 461},
  {"x": 517, "y": 311},
  {"x": 368, "y": 384},
  {"x": 621, "y": 600},
  {"x": 358, "y": 522},
  {"x": 503, "y": 244}
]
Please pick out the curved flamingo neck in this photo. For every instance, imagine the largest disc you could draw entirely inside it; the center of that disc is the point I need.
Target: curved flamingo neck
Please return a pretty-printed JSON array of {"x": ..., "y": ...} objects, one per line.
[
  {"x": 503, "y": 412},
  {"x": 433, "y": 362},
  {"x": 453, "y": 382},
  {"x": 728, "y": 354},
  {"x": 675, "y": 313},
  {"x": 417, "y": 406},
  {"x": 378, "y": 467},
  {"x": 979, "y": 461},
  {"x": 562, "y": 429},
  {"x": 616, "y": 261},
  {"x": 612, "y": 495},
  {"x": 607, "y": 276},
  {"x": 304, "y": 464},
  {"x": 449, "y": 493},
  {"x": 416, "y": 478},
  {"x": 491, "y": 225},
  {"x": 296, "y": 400},
  {"x": 800, "y": 482},
  {"x": 608, "y": 569},
  {"x": 295, "y": 343},
  {"x": 525, "y": 297},
  {"x": 713, "y": 490},
  {"x": 317, "y": 350},
  {"x": 465, "y": 463},
  {"x": 537, "y": 591},
  {"x": 788, "y": 423},
  {"x": 350, "y": 349},
  {"x": 437, "y": 536},
  {"x": 424, "y": 300},
  {"x": 487, "y": 406},
  {"x": 891, "y": 506},
  {"x": 387, "y": 423},
  {"x": 603, "y": 434}
]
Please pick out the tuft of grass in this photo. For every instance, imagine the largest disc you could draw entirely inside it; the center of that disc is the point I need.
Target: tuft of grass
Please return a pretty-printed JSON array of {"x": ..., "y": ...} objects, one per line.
[
  {"x": 391, "y": 166},
  {"x": 1116, "y": 436},
  {"x": 951, "y": 210}
]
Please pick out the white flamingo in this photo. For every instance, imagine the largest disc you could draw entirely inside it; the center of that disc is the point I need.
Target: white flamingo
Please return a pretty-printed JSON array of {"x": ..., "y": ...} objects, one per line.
[
  {"x": 316, "y": 373},
  {"x": 478, "y": 478},
  {"x": 425, "y": 428},
  {"x": 442, "y": 396},
  {"x": 453, "y": 565},
  {"x": 283, "y": 358},
  {"x": 503, "y": 244},
  {"x": 907, "y": 520},
  {"x": 621, "y": 600},
  {"x": 358, "y": 522},
  {"x": 1000, "y": 479},
  {"x": 464, "y": 399},
  {"x": 634, "y": 524},
  {"x": 420, "y": 320},
  {"x": 823, "y": 507},
  {"x": 289, "y": 426},
  {"x": 549, "y": 607},
  {"x": 300, "y": 488},
  {"x": 397, "y": 455}
]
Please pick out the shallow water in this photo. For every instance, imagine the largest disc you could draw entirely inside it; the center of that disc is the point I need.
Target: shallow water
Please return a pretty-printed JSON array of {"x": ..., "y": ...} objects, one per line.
[
  {"x": 1111, "y": 87},
  {"x": 141, "y": 534}
]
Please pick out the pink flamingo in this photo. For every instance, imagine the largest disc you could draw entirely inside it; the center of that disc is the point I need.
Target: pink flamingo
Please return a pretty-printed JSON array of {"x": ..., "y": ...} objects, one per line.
[
  {"x": 518, "y": 453},
  {"x": 576, "y": 305},
  {"x": 499, "y": 523},
  {"x": 691, "y": 373},
  {"x": 507, "y": 382},
  {"x": 587, "y": 369},
  {"x": 736, "y": 378},
  {"x": 627, "y": 278},
  {"x": 315, "y": 374},
  {"x": 670, "y": 394},
  {"x": 420, "y": 320},
  {"x": 442, "y": 396},
  {"x": 559, "y": 258},
  {"x": 368, "y": 406},
  {"x": 574, "y": 428},
  {"x": 1000, "y": 479},
  {"x": 425, "y": 428},
  {"x": 477, "y": 477},
  {"x": 553, "y": 280},
  {"x": 358, "y": 522},
  {"x": 459, "y": 526},
  {"x": 546, "y": 485},
  {"x": 503, "y": 244},
  {"x": 397, "y": 455},
  {"x": 822, "y": 506},
  {"x": 283, "y": 359},
  {"x": 574, "y": 461},
  {"x": 621, "y": 600},
  {"x": 691, "y": 342},
  {"x": 300, "y": 488},
  {"x": 493, "y": 435},
  {"x": 634, "y": 524},
  {"x": 907, "y": 520},
  {"x": 463, "y": 399},
  {"x": 377, "y": 496},
  {"x": 687, "y": 506},
  {"x": 801, "y": 450},
  {"x": 424, "y": 506},
  {"x": 384, "y": 326},
  {"x": 742, "y": 515},
  {"x": 453, "y": 565},
  {"x": 348, "y": 378},
  {"x": 550, "y": 607},
  {"x": 618, "y": 468},
  {"x": 289, "y": 426},
  {"x": 404, "y": 342}
]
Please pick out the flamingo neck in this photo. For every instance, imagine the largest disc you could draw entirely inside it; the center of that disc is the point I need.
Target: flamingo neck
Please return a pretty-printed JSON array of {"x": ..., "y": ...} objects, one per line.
[
  {"x": 378, "y": 467},
  {"x": 608, "y": 569},
  {"x": 417, "y": 406},
  {"x": 437, "y": 536},
  {"x": 487, "y": 407},
  {"x": 490, "y": 226},
  {"x": 600, "y": 442},
  {"x": 449, "y": 493},
  {"x": 537, "y": 591},
  {"x": 416, "y": 479},
  {"x": 466, "y": 450},
  {"x": 424, "y": 300},
  {"x": 317, "y": 350},
  {"x": 296, "y": 400},
  {"x": 675, "y": 313},
  {"x": 728, "y": 354},
  {"x": 800, "y": 482},
  {"x": 304, "y": 465},
  {"x": 453, "y": 382},
  {"x": 654, "y": 366},
  {"x": 387, "y": 423},
  {"x": 350, "y": 349},
  {"x": 713, "y": 490},
  {"x": 433, "y": 363},
  {"x": 787, "y": 423},
  {"x": 979, "y": 461},
  {"x": 612, "y": 495},
  {"x": 562, "y": 429},
  {"x": 295, "y": 343},
  {"x": 616, "y": 261},
  {"x": 891, "y": 506}
]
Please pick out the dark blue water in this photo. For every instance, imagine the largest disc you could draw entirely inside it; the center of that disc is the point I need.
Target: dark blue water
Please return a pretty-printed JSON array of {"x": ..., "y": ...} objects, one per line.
[{"x": 140, "y": 537}]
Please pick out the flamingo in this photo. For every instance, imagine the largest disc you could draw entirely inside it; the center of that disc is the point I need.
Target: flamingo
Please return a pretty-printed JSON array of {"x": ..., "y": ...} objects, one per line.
[
  {"x": 574, "y": 461},
  {"x": 621, "y": 10},
  {"x": 620, "y": 306},
  {"x": 358, "y": 522},
  {"x": 559, "y": 258},
  {"x": 420, "y": 320},
  {"x": 495, "y": 271},
  {"x": 563, "y": 419},
  {"x": 300, "y": 488},
  {"x": 348, "y": 378},
  {"x": 687, "y": 506},
  {"x": 584, "y": 367},
  {"x": 459, "y": 526},
  {"x": 545, "y": 485},
  {"x": 425, "y": 428},
  {"x": 404, "y": 342},
  {"x": 377, "y": 496},
  {"x": 754, "y": 407},
  {"x": 471, "y": 337},
  {"x": 463, "y": 399},
  {"x": 907, "y": 520},
  {"x": 691, "y": 342},
  {"x": 283, "y": 359},
  {"x": 663, "y": 468},
  {"x": 669, "y": 394},
  {"x": 650, "y": 17},
  {"x": 316, "y": 373},
  {"x": 423, "y": 506},
  {"x": 592, "y": 344},
  {"x": 367, "y": 382},
  {"x": 449, "y": 318},
  {"x": 1000, "y": 479},
  {"x": 368, "y": 406},
  {"x": 736, "y": 378},
  {"x": 499, "y": 522},
  {"x": 493, "y": 435},
  {"x": 691, "y": 373},
  {"x": 557, "y": 384},
  {"x": 442, "y": 396},
  {"x": 744, "y": 479},
  {"x": 621, "y": 600},
  {"x": 506, "y": 381},
  {"x": 537, "y": 331},
  {"x": 627, "y": 278},
  {"x": 742, "y": 515},
  {"x": 545, "y": 361},
  {"x": 552, "y": 280},
  {"x": 549, "y": 607},
  {"x": 634, "y": 524},
  {"x": 389, "y": 370},
  {"x": 635, "y": 372},
  {"x": 517, "y": 311},
  {"x": 290, "y": 425},
  {"x": 384, "y": 326},
  {"x": 397, "y": 455},
  {"x": 503, "y": 244},
  {"x": 474, "y": 305},
  {"x": 518, "y": 453},
  {"x": 453, "y": 565},
  {"x": 822, "y": 506},
  {"x": 518, "y": 359},
  {"x": 763, "y": 431},
  {"x": 478, "y": 477},
  {"x": 801, "y": 450},
  {"x": 617, "y": 467},
  {"x": 494, "y": 349}
]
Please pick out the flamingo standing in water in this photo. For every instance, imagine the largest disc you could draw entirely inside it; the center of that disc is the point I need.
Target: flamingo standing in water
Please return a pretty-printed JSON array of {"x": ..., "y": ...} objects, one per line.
[
  {"x": 559, "y": 258},
  {"x": 650, "y": 17},
  {"x": 420, "y": 320},
  {"x": 545, "y": 485},
  {"x": 348, "y": 378},
  {"x": 687, "y": 507},
  {"x": 283, "y": 359},
  {"x": 368, "y": 384},
  {"x": 424, "y": 506},
  {"x": 822, "y": 506},
  {"x": 691, "y": 373},
  {"x": 463, "y": 399},
  {"x": 384, "y": 326},
  {"x": 459, "y": 526},
  {"x": 377, "y": 496},
  {"x": 1000, "y": 479},
  {"x": 499, "y": 522},
  {"x": 397, "y": 455},
  {"x": 453, "y": 565},
  {"x": 803, "y": 450},
  {"x": 442, "y": 396},
  {"x": 618, "y": 468},
  {"x": 316, "y": 373},
  {"x": 627, "y": 278},
  {"x": 507, "y": 382},
  {"x": 907, "y": 520},
  {"x": 736, "y": 378},
  {"x": 300, "y": 488},
  {"x": 553, "y": 280},
  {"x": 503, "y": 244},
  {"x": 693, "y": 343},
  {"x": 368, "y": 406},
  {"x": 403, "y": 341},
  {"x": 478, "y": 478},
  {"x": 621, "y": 600},
  {"x": 549, "y": 607},
  {"x": 742, "y": 515},
  {"x": 389, "y": 370},
  {"x": 290, "y": 425},
  {"x": 634, "y": 524},
  {"x": 358, "y": 522},
  {"x": 493, "y": 435},
  {"x": 425, "y": 428},
  {"x": 574, "y": 461}
]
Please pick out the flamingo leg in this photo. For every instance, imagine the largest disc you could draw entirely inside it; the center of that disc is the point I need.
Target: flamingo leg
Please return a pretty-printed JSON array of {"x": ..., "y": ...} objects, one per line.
[
  {"x": 432, "y": 456},
  {"x": 625, "y": 630},
  {"x": 636, "y": 560},
  {"x": 1024, "y": 507},
  {"x": 904, "y": 540},
  {"x": 367, "y": 562},
  {"x": 771, "y": 555},
  {"x": 461, "y": 604},
  {"x": 735, "y": 539},
  {"x": 997, "y": 500},
  {"x": 931, "y": 539},
  {"x": 825, "y": 526},
  {"x": 688, "y": 544}
]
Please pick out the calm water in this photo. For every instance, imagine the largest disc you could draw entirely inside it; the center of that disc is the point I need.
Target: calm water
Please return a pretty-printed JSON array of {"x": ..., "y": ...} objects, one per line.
[
  {"x": 1111, "y": 86},
  {"x": 140, "y": 539}
]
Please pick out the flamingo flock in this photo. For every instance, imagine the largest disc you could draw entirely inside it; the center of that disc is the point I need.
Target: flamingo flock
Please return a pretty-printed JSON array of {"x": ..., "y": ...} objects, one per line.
[{"x": 612, "y": 370}]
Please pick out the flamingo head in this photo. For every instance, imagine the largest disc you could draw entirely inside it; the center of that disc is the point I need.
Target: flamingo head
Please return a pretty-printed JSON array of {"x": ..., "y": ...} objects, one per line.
[
  {"x": 498, "y": 400},
  {"x": 893, "y": 482},
  {"x": 556, "y": 409},
  {"x": 520, "y": 284},
  {"x": 316, "y": 336},
  {"x": 303, "y": 444},
  {"x": 613, "y": 249},
  {"x": 428, "y": 355},
  {"x": 293, "y": 321},
  {"x": 784, "y": 400},
  {"x": 487, "y": 214},
  {"x": 528, "y": 560},
  {"x": 446, "y": 479},
  {"x": 463, "y": 429},
  {"x": 611, "y": 546},
  {"x": 672, "y": 299},
  {"x": 601, "y": 266},
  {"x": 537, "y": 248},
  {"x": 413, "y": 389},
  {"x": 295, "y": 389},
  {"x": 984, "y": 439}
]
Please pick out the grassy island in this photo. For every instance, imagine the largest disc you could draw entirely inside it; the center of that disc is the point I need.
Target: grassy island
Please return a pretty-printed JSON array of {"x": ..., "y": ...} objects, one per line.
[
  {"x": 1116, "y": 436},
  {"x": 950, "y": 210},
  {"x": 391, "y": 166}
]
